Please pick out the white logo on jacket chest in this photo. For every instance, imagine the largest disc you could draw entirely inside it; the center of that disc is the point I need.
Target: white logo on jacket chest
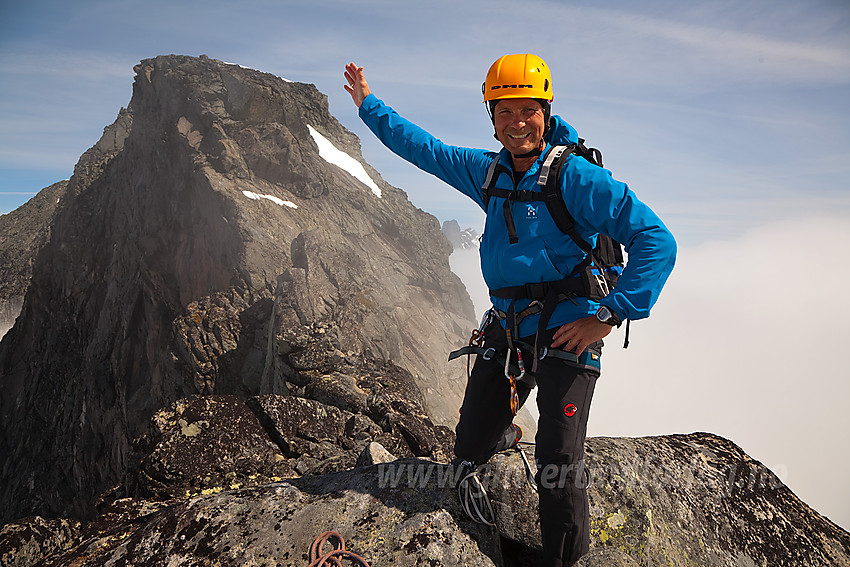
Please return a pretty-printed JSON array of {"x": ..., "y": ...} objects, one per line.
[{"x": 531, "y": 211}]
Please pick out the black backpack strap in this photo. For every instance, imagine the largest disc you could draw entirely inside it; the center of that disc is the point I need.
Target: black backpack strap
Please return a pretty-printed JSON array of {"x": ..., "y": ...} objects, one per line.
[
  {"x": 518, "y": 195},
  {"x": 549, "y": 180},
  {"x": 488, "y": 188},
  {"x": 592, "y": 155}
]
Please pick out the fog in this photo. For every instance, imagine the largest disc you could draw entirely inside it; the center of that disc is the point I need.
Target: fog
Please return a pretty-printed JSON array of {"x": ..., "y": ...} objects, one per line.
[{"x": 747, "y": 341}]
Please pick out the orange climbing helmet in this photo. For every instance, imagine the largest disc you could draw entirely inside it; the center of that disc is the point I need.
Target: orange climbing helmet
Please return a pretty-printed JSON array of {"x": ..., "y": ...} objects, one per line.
[{"x": 522, "y": 75}]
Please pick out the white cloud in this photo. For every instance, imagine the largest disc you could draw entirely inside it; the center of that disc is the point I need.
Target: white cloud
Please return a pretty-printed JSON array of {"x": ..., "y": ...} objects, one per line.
[
  {"x": 466, "y": 264},
  {"x": 783, "y": 58},
  {"x": 65, "y": 64}
]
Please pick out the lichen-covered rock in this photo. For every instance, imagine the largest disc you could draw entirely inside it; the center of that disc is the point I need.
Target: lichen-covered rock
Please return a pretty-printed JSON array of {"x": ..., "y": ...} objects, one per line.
[
  {"x": 385, "y": 398},
  {"x": 514, "y": 497},
  {"x": 340, "y": 390},
  {"x": 275, "y": 524},
  {"x": 290, "y": 416},
  {"x": 690, "y": 500},
  {"x": 310, "y": 433},
  {"x": 26, "y": 542},
  {"x": 201, "y": 443},
  {"x": 700, "y": 500},
  {"x": 607, "y": 557}
]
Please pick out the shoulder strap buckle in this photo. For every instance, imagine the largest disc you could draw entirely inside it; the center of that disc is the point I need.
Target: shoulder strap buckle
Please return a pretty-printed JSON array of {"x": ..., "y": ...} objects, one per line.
[{"x": 553, "y": 154}]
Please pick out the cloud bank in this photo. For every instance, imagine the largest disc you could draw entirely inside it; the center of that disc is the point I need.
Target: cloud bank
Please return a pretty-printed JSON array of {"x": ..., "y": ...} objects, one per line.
[{"x": 748, "y": 341}]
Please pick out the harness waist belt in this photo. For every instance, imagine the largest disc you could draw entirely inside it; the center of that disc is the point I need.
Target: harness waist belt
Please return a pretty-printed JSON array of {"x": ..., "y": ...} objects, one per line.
[{"x": 588, "y": 357}]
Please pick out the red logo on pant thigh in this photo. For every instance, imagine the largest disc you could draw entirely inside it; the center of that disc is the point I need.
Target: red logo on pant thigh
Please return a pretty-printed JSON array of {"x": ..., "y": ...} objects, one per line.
[{"x": 570, "y": 410}]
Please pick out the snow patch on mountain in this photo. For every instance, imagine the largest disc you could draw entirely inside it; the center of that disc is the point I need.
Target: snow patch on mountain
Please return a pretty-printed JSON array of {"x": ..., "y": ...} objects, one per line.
[
  {"x": 272, "y": 198},
  {"x": 332, "y": 154}
]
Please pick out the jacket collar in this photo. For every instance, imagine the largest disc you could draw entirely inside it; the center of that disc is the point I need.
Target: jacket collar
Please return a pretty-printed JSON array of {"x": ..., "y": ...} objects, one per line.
[{"x": 506, "y": 159}]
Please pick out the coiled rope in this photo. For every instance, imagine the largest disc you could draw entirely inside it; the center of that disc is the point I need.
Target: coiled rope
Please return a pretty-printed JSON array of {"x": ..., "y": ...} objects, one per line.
[
  {"x": 334, "y": 557},
  {"x": 473, "y": 498}
]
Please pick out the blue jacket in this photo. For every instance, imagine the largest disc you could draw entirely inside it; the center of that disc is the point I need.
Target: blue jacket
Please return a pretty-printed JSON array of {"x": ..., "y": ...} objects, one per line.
[{"x": 597, "y": 202}]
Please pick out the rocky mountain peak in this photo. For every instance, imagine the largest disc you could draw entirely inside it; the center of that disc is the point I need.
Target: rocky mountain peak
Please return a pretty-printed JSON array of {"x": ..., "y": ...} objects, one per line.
[
  {"x": 461, "y": 239},
  {"x": 211, "y": 219}
]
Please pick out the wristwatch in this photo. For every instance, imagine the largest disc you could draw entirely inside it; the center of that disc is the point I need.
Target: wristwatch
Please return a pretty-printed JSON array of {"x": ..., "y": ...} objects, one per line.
[{"x": 605, "y": 315}]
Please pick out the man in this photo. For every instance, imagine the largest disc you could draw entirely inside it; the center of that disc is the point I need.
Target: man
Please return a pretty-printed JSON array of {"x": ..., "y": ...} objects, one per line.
[{"x": 523, "y": 245}]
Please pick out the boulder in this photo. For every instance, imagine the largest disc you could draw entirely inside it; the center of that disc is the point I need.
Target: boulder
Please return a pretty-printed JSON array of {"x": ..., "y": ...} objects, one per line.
[
  {"x": 203, "y": 443},
  {"x": 690, "y": 500},
  {"x": 277, "y": 523},
  {"x": 26, "y": 542},
  {"x": 373, "y": 454}
]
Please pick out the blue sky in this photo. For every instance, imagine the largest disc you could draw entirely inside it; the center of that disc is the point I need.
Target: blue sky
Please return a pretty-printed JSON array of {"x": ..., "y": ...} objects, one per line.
[
  {"x": 730, "y": 118},
  {"x": 720, "y": 114}
]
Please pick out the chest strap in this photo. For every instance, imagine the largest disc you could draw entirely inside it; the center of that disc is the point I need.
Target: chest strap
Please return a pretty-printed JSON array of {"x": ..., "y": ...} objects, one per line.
[{"x": 568, "y": 286}]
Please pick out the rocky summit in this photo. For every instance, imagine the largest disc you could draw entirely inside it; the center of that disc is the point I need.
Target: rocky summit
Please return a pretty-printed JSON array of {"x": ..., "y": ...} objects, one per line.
[
  {"x": 215, "y": 217},
  {"x": 220, "y": 480},
  {"x": 228, "y": 340}
]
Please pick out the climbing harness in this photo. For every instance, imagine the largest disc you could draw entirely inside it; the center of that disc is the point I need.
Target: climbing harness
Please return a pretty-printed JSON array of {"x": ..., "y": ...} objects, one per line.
[
  {"x": 512, "y": 358},
  {"x": 603, "y": 263},
  {"x": 334, "y": 557},
  {"x": 588, "y": 359}
]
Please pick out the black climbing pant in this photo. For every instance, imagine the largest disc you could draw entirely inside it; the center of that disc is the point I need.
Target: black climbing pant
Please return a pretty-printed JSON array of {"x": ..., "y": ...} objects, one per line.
[{"x": 564, "y": 394}]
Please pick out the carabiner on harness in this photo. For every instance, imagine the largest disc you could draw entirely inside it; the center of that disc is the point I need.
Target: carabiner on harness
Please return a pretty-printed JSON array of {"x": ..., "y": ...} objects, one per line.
[
  {"x": 513, "y": 380},
  {"x": 478, "y": 334},
  {"x": 521, "y": 364},
  {"x": 477, "y": 338}
]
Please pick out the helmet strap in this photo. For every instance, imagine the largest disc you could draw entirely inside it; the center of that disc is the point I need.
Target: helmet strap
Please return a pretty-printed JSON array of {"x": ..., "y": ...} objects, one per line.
[{"x": 535, "y": 152}]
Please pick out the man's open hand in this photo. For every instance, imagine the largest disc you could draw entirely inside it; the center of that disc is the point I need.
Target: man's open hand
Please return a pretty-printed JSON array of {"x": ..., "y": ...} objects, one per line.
[{"x": 357, "y": 86}]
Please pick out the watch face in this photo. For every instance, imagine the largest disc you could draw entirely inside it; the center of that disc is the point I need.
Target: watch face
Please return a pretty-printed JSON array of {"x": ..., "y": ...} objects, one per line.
[{"x": 604, "y": 314}]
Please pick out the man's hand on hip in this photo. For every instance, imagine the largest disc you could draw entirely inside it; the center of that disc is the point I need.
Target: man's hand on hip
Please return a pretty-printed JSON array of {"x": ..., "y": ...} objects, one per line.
[{"x": 578, "y": 335}]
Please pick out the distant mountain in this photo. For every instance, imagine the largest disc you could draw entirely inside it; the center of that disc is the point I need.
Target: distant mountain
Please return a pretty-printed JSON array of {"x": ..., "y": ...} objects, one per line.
[
  {"x": 23, "y": 233},
  {"x": 223, "y": 209},
  {"x": 465, "y": 239}
]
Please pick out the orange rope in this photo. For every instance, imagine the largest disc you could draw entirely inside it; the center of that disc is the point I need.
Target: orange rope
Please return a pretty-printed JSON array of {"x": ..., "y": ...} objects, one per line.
[{"x": 334, "y": 557}]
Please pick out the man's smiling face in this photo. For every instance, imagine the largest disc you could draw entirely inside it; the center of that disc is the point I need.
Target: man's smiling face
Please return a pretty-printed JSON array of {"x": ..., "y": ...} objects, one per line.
[{"x": 519, "y": 124}]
